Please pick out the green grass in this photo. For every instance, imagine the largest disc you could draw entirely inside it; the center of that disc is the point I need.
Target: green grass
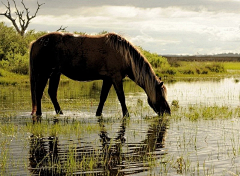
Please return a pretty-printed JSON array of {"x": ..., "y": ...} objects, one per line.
[
  {"x": 210, "y": 112},
  {"x": 199, "y": 69},
  {"x": 178, "y": 69},
  {"x": 9, "y": 78},
  {"x": 232, "y": 65}
]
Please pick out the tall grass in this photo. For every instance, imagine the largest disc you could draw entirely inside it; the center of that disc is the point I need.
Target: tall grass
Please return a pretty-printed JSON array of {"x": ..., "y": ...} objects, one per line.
[{"x": 192, "y": 68}]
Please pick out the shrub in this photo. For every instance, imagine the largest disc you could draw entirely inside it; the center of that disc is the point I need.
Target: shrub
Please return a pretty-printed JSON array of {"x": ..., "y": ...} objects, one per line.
[
  {"x": 170, "y": 71},
  {"x": 187, "y": 71},
  {"x": 215, "y": 67},
  {"x": 19, "y": 64},
  {"x": 14, "y": 49},
  {"x": 155, "y": 60}
]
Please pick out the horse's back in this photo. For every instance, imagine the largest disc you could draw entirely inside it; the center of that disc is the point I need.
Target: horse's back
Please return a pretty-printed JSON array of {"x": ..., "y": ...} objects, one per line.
[{"x": 78, "y": 57}]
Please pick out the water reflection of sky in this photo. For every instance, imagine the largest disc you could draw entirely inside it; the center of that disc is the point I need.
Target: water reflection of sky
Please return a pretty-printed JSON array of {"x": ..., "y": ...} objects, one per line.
[{"x": 224, "y": 92}]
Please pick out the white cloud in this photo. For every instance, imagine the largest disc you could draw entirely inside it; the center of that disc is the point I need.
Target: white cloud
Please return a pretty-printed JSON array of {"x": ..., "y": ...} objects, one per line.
[{"x": 172, "y": 28}]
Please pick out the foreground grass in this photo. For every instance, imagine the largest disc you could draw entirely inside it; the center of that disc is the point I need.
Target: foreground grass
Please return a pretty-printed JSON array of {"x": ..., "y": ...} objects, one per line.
[{"x": 184, "y": 120}]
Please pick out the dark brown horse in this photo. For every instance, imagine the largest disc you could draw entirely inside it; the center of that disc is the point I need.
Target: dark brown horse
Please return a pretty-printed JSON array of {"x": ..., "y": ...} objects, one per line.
[{"x": 108, "y": 57}]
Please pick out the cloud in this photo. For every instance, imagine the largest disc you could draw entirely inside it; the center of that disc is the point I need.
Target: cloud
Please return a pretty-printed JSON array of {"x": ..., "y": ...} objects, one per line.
[
  {"x": 160, "y": 26},
  {"x": 167, "y": 30}
]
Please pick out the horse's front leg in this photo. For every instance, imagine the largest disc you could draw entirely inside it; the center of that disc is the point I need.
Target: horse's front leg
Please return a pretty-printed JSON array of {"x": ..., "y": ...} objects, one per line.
[
  {"x": 107, "y": 83},
  {"x": 118, "y": 85}
]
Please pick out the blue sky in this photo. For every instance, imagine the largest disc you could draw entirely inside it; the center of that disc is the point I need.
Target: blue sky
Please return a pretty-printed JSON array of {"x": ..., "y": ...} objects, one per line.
[{"x": 160, "y": 26}]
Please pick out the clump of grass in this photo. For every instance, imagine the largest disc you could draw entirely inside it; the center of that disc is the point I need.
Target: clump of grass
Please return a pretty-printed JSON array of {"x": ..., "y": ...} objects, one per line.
[
  {"x": 216, "y": 67},
  {"x": 168, "y": 70},
  {"x": 62, "y": 127},
  {"x": 208, "y": 113},
  {"x": 175, "y": 104}
]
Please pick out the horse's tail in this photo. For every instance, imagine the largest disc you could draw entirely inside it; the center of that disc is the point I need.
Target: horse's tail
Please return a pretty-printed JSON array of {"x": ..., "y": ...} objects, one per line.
[{"x": 32, "y": 80}]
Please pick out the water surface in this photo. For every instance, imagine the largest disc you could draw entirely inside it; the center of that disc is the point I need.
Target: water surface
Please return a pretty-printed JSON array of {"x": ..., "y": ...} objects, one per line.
[{"x": 112, "y": 145}]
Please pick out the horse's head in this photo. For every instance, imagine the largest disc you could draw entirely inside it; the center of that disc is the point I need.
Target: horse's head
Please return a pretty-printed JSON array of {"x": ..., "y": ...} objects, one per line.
[{"x": 161, "y": 105}]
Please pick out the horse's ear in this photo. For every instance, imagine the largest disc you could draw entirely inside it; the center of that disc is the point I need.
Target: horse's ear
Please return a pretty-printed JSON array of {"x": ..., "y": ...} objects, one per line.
[
  {"x": 160, "y": 78},
  {"x": 161, "y": 84}
]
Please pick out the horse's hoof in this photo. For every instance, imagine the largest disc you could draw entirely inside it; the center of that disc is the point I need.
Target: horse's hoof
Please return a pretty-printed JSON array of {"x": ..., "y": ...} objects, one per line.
[
  {"x": 36, "y": 118},
  {"x": 59, "y": 112},
  {"x": 98, "y": 114},
  {"x": 127, "y": 114}
]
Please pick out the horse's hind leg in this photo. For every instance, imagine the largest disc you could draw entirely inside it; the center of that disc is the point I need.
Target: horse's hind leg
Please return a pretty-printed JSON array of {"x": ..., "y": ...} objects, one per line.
[
  {"x": 52, "y": 91},
  {"x": 40, "y": 86},
  {"x": 107, "y": 83}
]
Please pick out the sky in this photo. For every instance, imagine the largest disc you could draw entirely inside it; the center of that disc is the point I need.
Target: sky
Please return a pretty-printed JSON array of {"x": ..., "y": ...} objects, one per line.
[{"x": 183, "y": 27}]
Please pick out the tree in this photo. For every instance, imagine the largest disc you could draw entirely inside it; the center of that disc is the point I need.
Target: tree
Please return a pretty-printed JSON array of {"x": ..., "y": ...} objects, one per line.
[{"x": 23, "y": 21}]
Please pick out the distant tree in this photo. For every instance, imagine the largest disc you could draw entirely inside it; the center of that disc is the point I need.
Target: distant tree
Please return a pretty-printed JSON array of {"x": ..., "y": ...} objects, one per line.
[
  {"x": 103, "y": 32},
  {"x": 23, "y": 21},
  {"x": 63, "y": 29}
]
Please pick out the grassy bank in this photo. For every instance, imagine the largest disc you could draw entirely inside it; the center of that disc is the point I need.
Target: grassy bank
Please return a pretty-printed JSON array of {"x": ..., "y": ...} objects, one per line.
[
  {"x": 179, "y": 69},
  {"x": 200, "y": 69},
  {"x": 9, "y": 78}
]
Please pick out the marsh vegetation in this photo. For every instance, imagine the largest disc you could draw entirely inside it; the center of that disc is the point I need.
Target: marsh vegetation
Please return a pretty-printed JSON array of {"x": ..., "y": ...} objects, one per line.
[{"x": 200, "y": 138}]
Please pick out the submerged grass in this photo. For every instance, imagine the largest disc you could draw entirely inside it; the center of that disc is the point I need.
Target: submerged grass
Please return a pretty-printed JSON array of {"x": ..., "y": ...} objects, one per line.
[
  {"x": 47, "y": 128},
  {"x": 76, "y": 159},
  {"x": 211, "y": 112}
]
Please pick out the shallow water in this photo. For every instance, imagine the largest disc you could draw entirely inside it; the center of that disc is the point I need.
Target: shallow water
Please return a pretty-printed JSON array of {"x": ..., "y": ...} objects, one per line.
[{"x": 111, "y": 145}]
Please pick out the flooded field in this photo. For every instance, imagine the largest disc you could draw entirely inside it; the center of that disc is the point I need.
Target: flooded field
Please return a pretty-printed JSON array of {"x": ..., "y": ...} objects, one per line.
[{"x": 202, "y": 137}]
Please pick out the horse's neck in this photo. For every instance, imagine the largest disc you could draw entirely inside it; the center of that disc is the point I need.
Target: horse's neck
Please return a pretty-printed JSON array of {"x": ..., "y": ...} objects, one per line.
[{"x": 148, "y": 83}]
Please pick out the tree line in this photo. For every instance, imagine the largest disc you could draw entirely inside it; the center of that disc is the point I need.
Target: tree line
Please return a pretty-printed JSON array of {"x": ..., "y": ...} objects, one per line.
[{"x": 14, "y": 48}]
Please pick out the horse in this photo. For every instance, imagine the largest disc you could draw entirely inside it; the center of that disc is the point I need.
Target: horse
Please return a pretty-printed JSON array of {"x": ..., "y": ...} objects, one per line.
[{"x": 108, "y": 57}]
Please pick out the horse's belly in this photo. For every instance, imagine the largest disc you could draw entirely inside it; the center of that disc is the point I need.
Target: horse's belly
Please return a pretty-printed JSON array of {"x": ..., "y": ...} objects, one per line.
[{"x": 82, "y": 74}]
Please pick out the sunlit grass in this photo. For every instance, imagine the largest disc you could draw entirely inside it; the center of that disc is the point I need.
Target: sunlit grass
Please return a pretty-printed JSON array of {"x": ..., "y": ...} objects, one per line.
[{"x": 232, "y": 65}]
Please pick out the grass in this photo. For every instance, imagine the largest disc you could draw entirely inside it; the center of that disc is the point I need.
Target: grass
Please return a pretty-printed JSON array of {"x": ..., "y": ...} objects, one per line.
[
  {"x": 232, "y": 65},
  {"x": 178, "y": 69},
  {"x": 9, "y": 78},
  {"x": 210, "y": 112},
  {"x": 199, "y": 69}
]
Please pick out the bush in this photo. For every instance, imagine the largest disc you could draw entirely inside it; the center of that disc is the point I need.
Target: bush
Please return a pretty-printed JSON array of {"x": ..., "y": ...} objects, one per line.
[
  {"x": 170, "y": 71},
  {"x": 14, "y": 49},
  {"x": 155, "y": 60},
  {"x": 205, "y": 71},
  {"x": 19, "y": 64},
  {"x": 187, "y": 71},
  {"x": 215, "y": 67}
]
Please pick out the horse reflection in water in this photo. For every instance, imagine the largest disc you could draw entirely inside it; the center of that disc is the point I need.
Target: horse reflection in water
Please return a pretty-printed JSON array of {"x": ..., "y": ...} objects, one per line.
[
  {"x": 48, "y": 156},
  {"x": 43, "y": 155},
  {"x": 132, "y": 161}
]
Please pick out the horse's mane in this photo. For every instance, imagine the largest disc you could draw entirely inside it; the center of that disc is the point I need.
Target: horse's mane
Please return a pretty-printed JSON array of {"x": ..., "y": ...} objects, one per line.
[{"x": 143, "y": 73}]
